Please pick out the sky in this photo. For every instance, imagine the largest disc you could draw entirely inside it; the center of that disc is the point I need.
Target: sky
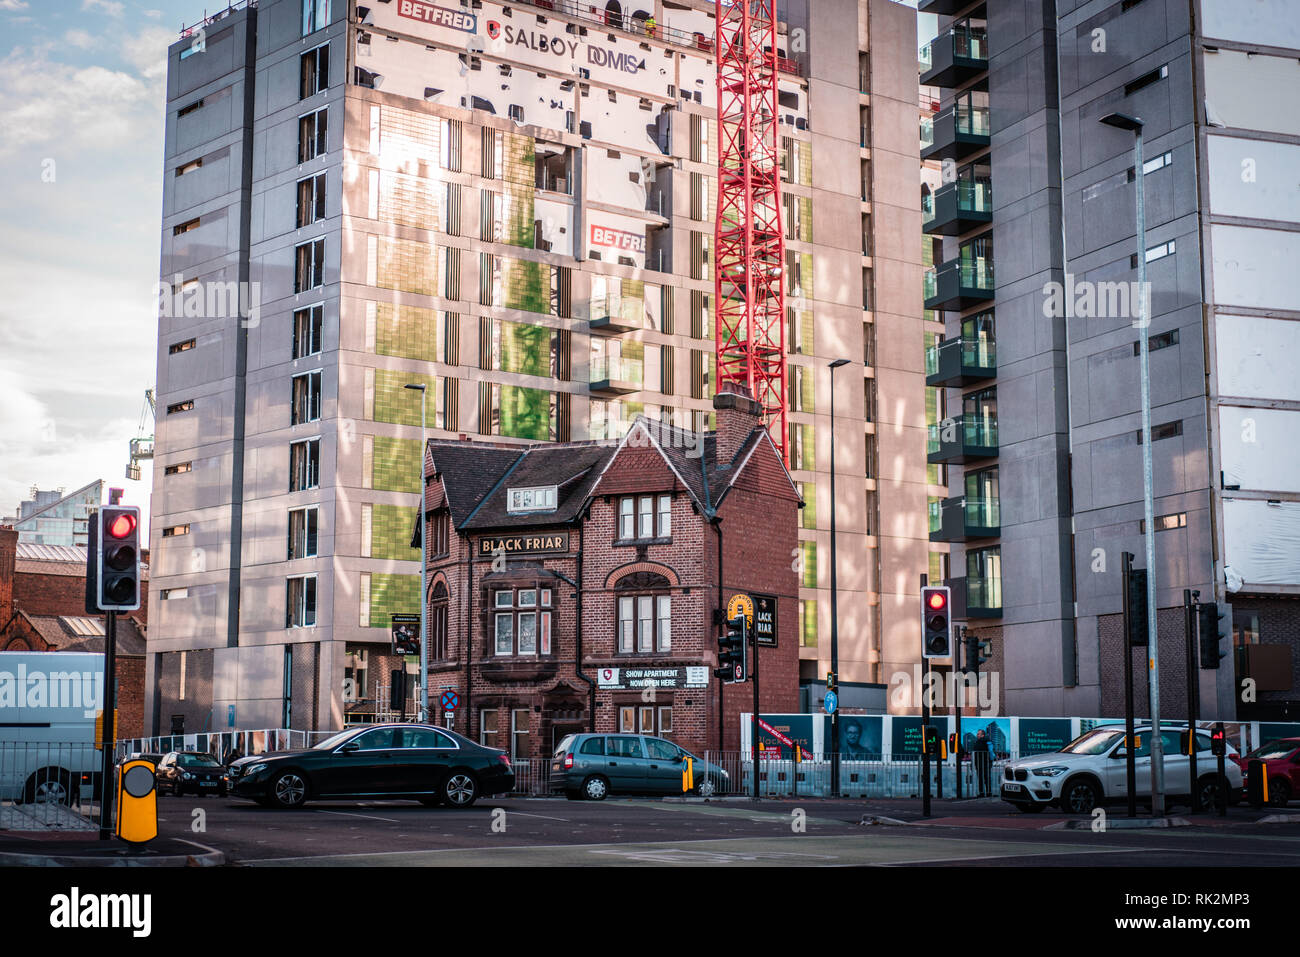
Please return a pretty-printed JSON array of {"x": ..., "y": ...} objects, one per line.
[{"x": 82, "y": 99}]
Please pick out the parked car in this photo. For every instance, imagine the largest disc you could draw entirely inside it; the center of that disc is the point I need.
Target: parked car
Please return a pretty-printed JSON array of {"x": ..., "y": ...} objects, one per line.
[
  {"x": 593, "y": 766},
  {"x": 192, "y": 771},
  {"x": 1092, "y": 770},
  {"x": 426, "y": 764},
  {"x": 1282, "y": 761}
]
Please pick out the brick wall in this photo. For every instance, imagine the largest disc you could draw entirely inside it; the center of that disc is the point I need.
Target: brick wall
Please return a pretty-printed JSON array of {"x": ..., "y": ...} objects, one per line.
[
  {"x": 1279, "y": 624},
  {"x": 196, "y": 706}
]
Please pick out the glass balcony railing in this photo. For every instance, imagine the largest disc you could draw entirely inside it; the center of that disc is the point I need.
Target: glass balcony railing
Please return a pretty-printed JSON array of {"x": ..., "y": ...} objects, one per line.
[
  {"x": 974, "y": 196},
  {"x": 979, "y": 353},
  {"x": 609, "y": 369},
  {"x": 932, "y": 360},
  {"x": 927, "y": 132},
  {"x": 936, "y": 516},
  {"x": 972, "y": 120},
  {"x": 980, "y": 430},
  {"x": 931, "y": 283},
  {"x": 972, "y": 44},
  {"x": 984, "y": 592},
  {"x": 925, "y": 58},
  {"x": 927, "y": 209},
  {"x": 983, "y": 512},
  {"x": 620, "y": 310},
  {"x": 977, "y": 273}
]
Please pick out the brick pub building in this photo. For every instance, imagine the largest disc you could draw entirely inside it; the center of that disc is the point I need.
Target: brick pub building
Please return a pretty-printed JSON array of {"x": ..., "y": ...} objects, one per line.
[{"x": 572, "y": 587}]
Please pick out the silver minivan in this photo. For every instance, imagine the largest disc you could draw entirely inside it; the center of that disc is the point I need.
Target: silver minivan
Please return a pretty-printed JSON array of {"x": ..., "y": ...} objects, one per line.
[{"x": 593, "y": 766}]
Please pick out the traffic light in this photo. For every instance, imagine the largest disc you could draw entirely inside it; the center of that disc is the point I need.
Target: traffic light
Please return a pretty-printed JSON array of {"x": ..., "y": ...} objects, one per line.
[
  {"x": 733, "y": 651},
  {"x": 1213, "y": 631},
  {"x": 930, "y": 740},
  {"x": 936, "y": 630},
  {"x": 1137, "y": 608},
  {"x": 832, "y": 681},
  {"x": 117, "y": 570},
  {"x": 1218, "y": 740},
  {"x": 952, "y": 744}
]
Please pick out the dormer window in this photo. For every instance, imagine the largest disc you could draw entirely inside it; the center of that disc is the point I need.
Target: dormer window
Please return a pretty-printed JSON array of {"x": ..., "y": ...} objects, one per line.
[{"x": 539, "y": 499}]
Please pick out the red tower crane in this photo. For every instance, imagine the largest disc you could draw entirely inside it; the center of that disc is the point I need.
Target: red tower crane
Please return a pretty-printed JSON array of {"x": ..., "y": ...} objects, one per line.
[{"x": 749, "y": 244}]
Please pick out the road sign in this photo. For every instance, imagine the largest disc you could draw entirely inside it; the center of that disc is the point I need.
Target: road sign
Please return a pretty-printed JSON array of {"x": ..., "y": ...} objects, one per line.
[
  {"x": 230, "y": 715},
  {"x": 831, "y": 702},
  {"x": 741, "y": 603},
  {"x": 450, "y": 700}
]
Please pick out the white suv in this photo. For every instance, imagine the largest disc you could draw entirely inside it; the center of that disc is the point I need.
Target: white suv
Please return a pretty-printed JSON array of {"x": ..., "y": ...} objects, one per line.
[{"x": 1092, "y": 770}]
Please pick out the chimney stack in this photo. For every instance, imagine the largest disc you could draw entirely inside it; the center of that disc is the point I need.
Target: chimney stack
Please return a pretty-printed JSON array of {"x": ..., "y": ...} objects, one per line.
[
  {"x": 8, "y": 558},
  {"x": 738, "y": 414}
]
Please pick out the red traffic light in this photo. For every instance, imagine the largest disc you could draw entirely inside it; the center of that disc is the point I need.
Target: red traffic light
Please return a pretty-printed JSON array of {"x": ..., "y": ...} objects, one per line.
[
  {"x": 937, "y": 600},
  {"x": 121, "y": 526}
]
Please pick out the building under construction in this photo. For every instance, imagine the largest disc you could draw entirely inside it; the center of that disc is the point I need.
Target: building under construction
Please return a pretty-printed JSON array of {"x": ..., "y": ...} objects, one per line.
[{"x": 516, "y": 206}]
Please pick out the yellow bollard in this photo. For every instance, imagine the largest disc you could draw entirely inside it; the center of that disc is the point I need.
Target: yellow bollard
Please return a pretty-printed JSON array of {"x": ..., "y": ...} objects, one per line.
[{"x": 137, "y": 802}]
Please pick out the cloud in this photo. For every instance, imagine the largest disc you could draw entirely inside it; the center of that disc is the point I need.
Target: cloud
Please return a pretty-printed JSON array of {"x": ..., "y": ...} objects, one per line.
[
  {"x": 13, "y": 5},
  {"x": 80, "y": 39},
  {"x": 111, "y": 7},
  {"x": 146, "y": 50}
]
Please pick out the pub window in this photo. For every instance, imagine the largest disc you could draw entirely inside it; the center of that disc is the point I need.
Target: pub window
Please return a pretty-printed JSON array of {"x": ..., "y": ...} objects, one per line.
[
  {"x": 644, "y": 624},
  {"x": 520, "y": 626},
  {"x": 438, "y": 622},
  {"x": 644, "y": 517},
  {"x": 439, "y": 534},
  {"x": 487, "y": 728},
  {"x": 519, "y": 733}
]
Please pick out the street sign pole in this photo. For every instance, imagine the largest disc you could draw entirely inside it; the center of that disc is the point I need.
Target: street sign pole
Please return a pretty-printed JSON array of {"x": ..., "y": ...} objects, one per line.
[
  {"x": 1126, "y": 566},
  {"x": 925, "y": 722},
  {"x": 1193, "y": 677},
  {"x": 958, "y": 652},
  {"x": 109, "y": 731}
]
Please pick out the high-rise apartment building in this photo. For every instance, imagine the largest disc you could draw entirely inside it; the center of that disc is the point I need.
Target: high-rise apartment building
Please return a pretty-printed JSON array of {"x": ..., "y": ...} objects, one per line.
[
  {"x": 510, "y": 205},
  {"x": 1042, "y": 429}
]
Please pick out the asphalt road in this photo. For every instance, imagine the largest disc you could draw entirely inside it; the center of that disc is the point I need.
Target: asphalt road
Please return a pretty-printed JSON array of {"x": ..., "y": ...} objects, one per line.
[{"x": 521, "y": 831}]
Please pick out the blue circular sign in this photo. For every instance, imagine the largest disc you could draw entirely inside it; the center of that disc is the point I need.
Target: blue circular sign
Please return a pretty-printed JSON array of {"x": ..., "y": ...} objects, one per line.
[
  {"x": 831, "y": 702},
  {"x": 449, "y": 700}
]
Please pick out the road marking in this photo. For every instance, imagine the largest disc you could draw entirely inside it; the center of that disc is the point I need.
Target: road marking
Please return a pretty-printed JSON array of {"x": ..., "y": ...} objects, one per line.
[
  {"x": 994, "y": 857},
  {"x": 545, "y": 817},
  {"x": 370, "y": 817}
]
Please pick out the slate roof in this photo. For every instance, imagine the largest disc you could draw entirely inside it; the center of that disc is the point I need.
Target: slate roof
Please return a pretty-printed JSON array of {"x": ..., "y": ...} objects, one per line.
[{"x": 80, "y": 633}]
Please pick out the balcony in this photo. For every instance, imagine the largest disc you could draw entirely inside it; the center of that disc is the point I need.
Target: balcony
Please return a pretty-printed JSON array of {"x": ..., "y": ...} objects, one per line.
[
  {"x": 956, "y": 57},
  {"x": 615, "y": 376},
  {"x": 963, "y": 438},
  {"x": 956, "y": 133},
  {"x": 963, "y": 518},
  {"x": 976, "y": 597},
  {"x": 946, "y": 8},
  {"x": 957, "y": 208},
  {"x": 961, "y": 361},
  {"x": 616, "y": 315},
  {"x": 959, "y": 284}
]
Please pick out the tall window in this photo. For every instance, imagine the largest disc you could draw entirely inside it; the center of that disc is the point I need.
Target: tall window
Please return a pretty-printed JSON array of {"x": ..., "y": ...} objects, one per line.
[
  {"x": 522, "y": 621},
  {"x": 311, "y": 200},
  {"x": 519, "y": 733},
  {"x": 315, "y": 15},
  {"x": 315, "y": 71},
  {"x": 645, "y": 516},
  {"x": 644, "y": 623},
  {"x": 306, "y": 398},
  {"x": 312, "y": 130},
  {"x": 301, "y": 602},
  {"x": 438, "y": 622},
  {"x": 302, "y": 532},
  {"x": 487, "y": 728},
  {"x": 309, "y": 266},
  {"x": 307, "y": 325},
  {"x": 304, "y": 465},
  {"x": 439, "y": 534}
]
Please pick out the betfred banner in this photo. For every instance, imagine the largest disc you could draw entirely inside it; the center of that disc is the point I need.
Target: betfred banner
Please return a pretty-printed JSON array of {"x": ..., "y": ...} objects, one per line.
[
  {"x": 437, "y": 16},
  {"x": 622, "y": 240}
]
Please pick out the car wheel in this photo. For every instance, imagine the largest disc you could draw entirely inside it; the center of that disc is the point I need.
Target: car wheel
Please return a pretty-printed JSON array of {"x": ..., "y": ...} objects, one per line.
[
  {"x": 460, "y": 790},
  {"x": 1080, "y": 796},
  {"x": 289, "y": 790},
  {"x": 1279, "y": 792},
  {"x": 595, "y": 788},
  {"x": 50, "y": 786},
  {"x": 1209, "y": 788},
  {"x": 1030, "y": 808},
  {"x": 706, "y": 788}
]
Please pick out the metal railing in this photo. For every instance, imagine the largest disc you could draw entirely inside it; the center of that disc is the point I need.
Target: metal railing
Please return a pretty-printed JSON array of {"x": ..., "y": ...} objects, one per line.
[
  {"x": 219, "y": 15},
  {"x": 50, "y": 786},
  {"x": 861, "y": 775},
  {"x": 972, "y": 120},
  {"x": 221, "y": 743},
  {"x": 617, "y": 370}
]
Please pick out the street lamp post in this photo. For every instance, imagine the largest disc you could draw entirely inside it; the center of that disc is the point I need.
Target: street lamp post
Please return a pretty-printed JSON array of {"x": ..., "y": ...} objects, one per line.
[
  {"x": 1133, "y": 124},
  {"x": 423, "y": 703},
  {"x": 835, "y": 618}
]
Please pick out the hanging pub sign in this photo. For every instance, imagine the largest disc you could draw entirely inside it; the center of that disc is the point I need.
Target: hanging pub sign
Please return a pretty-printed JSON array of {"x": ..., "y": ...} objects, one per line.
[
  {"x": 765, "y": 620},
  {"x": 406, "y": 634}
]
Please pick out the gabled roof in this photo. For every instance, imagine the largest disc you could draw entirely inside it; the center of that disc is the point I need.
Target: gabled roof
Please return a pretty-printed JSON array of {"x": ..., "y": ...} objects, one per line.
[
  {"x": 41, "y": 511},
  {"x": 84, "y": 633},
  {"x": 67, "y": 560}
]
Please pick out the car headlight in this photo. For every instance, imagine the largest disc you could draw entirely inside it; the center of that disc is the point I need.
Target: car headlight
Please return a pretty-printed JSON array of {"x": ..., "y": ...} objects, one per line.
[
  {"x": 186, "y": 776},
  {"x": 1051, "y": 772},
  {"x": 253, "y": 769}
]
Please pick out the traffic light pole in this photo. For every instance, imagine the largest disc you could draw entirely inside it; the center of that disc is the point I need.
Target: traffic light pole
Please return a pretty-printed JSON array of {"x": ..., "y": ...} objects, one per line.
[
  {"x": 1189, "y": 628},
  {"x": 754, "y": 742},
  {"x": 958, "y": 652},
  {"x": 925, "y": 722},
  {"x": 1126, "y": 565},
  {"x": 106, "y": 739}
]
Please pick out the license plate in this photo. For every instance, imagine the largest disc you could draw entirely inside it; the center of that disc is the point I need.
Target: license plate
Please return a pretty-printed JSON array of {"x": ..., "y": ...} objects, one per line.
[
  {"x": 1012, "y": 787},
  {"x": 555, "y": 766},
  {"x": 208, "y": 784}
]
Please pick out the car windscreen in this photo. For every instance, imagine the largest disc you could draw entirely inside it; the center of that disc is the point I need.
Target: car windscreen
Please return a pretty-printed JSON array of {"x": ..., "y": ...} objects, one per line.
[
  {"x": 197, "y": 761},
  {"x": 1274, "y": 750},
  {"x": 334, "y": 740},
  {"x": 1094, "y": 742}
]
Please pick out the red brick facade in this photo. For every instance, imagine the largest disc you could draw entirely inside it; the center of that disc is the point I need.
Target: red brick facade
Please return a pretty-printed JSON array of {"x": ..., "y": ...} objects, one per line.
[{"x": 535, "y": 699}]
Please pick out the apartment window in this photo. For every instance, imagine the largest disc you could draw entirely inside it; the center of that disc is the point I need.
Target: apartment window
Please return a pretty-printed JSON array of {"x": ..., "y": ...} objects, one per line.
[
  {"x": 175, "y": 530},
  {"x": 180, "y": 468},
  {"x": 439, "y": 534},
  {"x": 309, "y": 269},
  {"x": 516, "y": 112},
  {"x": 522, "y": 622},
  {"x": 302, "y": 532},
  {"x": 311, "y": 200},
  {"x": 1164, "y": 523},
  {"x": 171, "y": 594},
  {"x": 186, "y": 110},
  {"x": 644, "y": 623},
  {"x": 1155, "y": 76},
  {"x": 185, "y": 227},
  {"x": 1161, "y": 341},
  {"x": 307, "y": 324},
  {"x": 312, "y": 129},
  {"x": 452, "y": 138},
  {"x": 306, "y": 398},
  {"x": 185, "y": 406},
  {"x": 315, "y": 15},
  {"x": 176, "y": 347},
  {"x": 1166, "y": 431},
  {"x": 1154, "y": 253},
  {"x": 189, "y": 167},
  {"x": 300, "y": 602},
  {"x": 304, "y": 465},
  {"x": 315, "y": 71}
]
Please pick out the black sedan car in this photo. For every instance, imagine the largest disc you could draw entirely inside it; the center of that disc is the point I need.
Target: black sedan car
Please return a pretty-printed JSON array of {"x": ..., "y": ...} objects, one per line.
[
  {"x": 191, "y": 771},
  {"x": 426, "y": 764}
]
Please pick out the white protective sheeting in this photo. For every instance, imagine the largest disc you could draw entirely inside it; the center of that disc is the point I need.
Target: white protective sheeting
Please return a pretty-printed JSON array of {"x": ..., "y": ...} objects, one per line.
[
  {"x": 1259, "y": 450},
  {"x": 1257, "y": 357},
  {"x": 1262, "y": 541}
]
